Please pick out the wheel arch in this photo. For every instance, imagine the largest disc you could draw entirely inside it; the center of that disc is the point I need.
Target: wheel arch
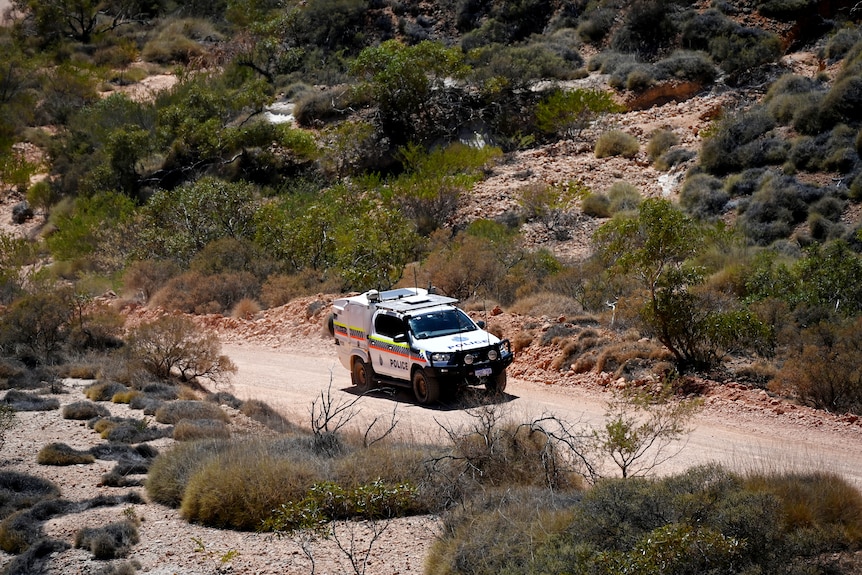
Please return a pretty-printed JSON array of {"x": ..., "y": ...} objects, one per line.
[{"x": 359, "y": 354}]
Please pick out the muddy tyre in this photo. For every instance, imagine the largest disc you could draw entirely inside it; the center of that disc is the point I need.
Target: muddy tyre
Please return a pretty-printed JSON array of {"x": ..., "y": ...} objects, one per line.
[
  {"x": 425, "y": 388},
  {"x": 361, "y": 375}
]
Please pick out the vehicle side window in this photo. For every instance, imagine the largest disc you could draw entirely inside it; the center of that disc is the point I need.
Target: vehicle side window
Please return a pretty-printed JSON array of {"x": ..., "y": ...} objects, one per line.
[{"x": 389, "y": 326}]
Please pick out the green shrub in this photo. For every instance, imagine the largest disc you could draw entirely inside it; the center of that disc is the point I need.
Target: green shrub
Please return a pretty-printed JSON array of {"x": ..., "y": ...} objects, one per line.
[
  {"x": 734, "y": 145},
  {"x": 624, "y": 197},
  {"x": 179, "y": 41},
  {"x": 195, "y": 429},
  {"x": 568, "y": 112},
  {"x": 23, "y": 401},
  {"x": 686, "y": 66},
  {"x": 780, "y": 203},
  {"x": 616, "y": 143},
  {"x": 840, "y": 43},
  {"x": 829, "y": 207},
  {"x": 109, "y": 542},
  {"x": 843, "y": 101},
  {"x": 648, "y": 27},
  {"x": 174, "y": 411},
  {"x": 660, "y": 141},
  {"x": 62, "y": 454},
  {"x": 703, "y": 196},
  {"x": 673, "y": 157},
  {"x": 596, "y": 25},
  {"x": 596, "y": 205},
  {"x": 745, "y": 183}
]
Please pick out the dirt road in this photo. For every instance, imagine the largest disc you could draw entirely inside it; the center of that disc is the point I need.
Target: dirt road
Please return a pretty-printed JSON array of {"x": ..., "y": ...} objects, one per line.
[{"x": 742, "y": 432}]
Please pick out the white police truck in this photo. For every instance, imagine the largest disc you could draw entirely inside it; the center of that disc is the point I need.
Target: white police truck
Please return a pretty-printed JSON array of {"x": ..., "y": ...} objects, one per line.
[{"x": 412, "y": 338}]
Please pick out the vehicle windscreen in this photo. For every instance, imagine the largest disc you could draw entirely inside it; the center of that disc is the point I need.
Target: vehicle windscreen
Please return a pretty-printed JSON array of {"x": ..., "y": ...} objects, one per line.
[{"x": 440, "y": 323}]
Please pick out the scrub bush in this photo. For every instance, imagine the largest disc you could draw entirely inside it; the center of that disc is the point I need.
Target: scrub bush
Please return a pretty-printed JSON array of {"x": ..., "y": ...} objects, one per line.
[
  {"x": 195, "y": 429},
  {"x": 703, "y": 196},
  {"x": 616, "y": 143},
  {"x": 173, "y": 412},
  {"x": 109, "y": 542},
  {"x": 62, "y": 454}
]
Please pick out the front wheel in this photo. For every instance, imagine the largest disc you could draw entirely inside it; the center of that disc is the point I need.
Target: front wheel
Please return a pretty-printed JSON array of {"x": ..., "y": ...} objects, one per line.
[
  {"x": 497, "y": 384},
  {"x": 426, "y": 388},
  {"x": 360, "y": 376}
]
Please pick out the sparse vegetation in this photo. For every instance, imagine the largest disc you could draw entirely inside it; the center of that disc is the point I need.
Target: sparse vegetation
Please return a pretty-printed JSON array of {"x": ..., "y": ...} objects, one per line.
[
  {"x": 62, "y": 454},
  {"x": 190, "y": 199}
]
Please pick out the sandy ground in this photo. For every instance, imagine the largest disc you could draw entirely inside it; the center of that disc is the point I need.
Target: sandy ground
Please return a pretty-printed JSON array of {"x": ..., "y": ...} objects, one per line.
[{"x": 737, "y": 427}]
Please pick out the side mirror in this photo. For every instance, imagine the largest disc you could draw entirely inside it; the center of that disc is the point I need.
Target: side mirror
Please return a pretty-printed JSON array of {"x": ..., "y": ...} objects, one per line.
[{"x": 481, "y": 324}]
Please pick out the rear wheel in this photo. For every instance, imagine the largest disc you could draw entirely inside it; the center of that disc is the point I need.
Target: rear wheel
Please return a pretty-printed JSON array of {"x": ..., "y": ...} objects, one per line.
[
  {"x": 426, "y": 388},
  {"x": 360, "y": 376},
  {"x": 497, "y": 384}
]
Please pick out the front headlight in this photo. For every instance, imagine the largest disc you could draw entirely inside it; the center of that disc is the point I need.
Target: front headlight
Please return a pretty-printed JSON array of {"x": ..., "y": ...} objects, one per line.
[
  {"x": 493, "y": 355},
  {"x": 469, "y": 358},
  {"x": 441, "y": 357}
]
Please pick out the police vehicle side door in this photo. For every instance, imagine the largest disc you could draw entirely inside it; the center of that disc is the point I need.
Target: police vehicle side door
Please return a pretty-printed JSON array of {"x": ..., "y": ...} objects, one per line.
[{"x": 389, "y": 357}]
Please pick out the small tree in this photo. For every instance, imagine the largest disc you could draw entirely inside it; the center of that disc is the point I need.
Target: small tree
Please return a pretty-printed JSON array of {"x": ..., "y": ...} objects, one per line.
[
  {"x": 37, "y": 325},
  {"x": 640, "y": 428},
  {"x": 655, "y": 247},
  {"x": 173, "y": 346},
  {"x": 568, "y": 113}
]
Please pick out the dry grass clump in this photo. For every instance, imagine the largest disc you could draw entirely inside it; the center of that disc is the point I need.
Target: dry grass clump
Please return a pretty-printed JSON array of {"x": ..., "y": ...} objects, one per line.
[
  {"x": 110, "y": 541},
  {"x": 128, "y": 430},
  {"x": 23, "y": 401},
  {"x": 62, "y": 454},
  {"x": 125, "y": 396},
  {"x": 390, "y": 462},
  {"x": 195, "y": 429},
  {"x": 246, "y": 308},
  {"x": 174, "y": 411},
  {"x": 84, "y": 410},
  {"x": 170, "y": 472},
  {"x": 241, "y": 490},
  {"x": 26, "y": 562},
  {"x": 820, "y": 508},
  {"x": 223, "y": 398},
  {"x": 86, "y": 370},
  {"x": 19, "y": 531},
  {"x": 500, "y": 527},
  {"x": 626, "y": 357},
  {"x": 20, "y": 490},
  {"x": 572, "y": 353},
  {"x": 263, "y": 413},
  {"x": 547, "y": 304},
  {"x": 616, "y": 143},
  {"x": 521, "y": 340},
  {"x": 103, "y": 390}
]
